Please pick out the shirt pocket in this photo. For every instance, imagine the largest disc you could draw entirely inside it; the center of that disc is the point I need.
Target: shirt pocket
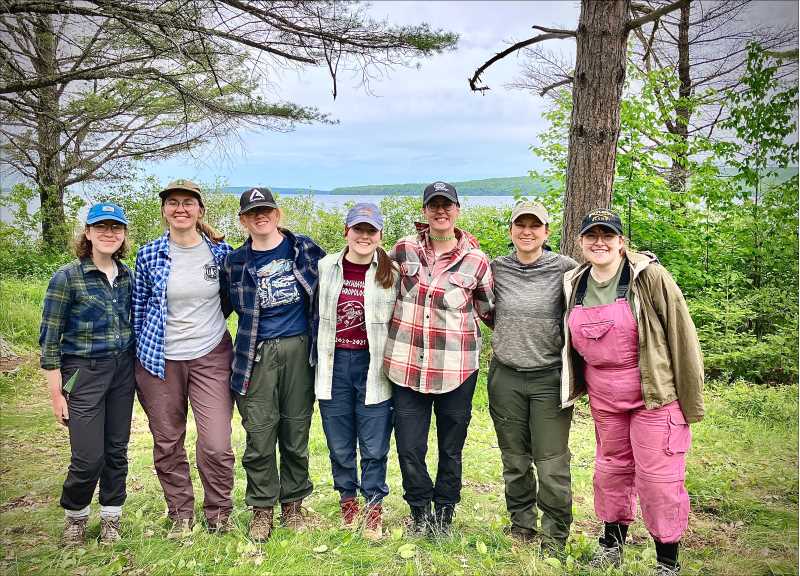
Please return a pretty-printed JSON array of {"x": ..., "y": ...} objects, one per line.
[
  {"x": 91, "y": 308},
  {"x": 459, "y": 290},
  {"x": 409, "y": 279},
  {"x": 384, "y": 306}
]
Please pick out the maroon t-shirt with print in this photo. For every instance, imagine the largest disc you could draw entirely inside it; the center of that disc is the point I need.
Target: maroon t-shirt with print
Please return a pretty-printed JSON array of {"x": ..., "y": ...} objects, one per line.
[{"x": 351, "y": 327}]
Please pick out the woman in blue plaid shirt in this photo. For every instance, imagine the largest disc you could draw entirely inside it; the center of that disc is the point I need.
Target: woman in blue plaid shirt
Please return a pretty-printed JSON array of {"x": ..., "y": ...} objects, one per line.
[
  {"x": 87, "y": 356},
  {"x": 184, "y": 355}
]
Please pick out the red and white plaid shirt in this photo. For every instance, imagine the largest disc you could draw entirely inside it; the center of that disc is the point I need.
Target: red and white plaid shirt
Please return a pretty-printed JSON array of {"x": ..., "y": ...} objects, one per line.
[{"x": 434, "y": 340}]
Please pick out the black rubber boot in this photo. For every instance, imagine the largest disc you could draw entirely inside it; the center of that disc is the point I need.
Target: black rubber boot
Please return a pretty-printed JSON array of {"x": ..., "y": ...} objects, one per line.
[{"x": 667, "y": 558}]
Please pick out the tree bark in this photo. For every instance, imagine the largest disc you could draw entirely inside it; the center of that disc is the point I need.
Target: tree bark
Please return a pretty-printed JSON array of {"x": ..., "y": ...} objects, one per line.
[
  {"x": 594, "y": 128},
  {"x": 49, "y": 177},
  {"x": 678, "y": 171}
]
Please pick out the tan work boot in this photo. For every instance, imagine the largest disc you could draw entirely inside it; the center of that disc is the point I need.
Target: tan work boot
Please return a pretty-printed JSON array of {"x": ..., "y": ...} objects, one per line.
[
  {"x": 373, "y": 523},
  {"x": 292, "y": 515},
  {"x": 109, "y": 530},
  {"x": 261, "y": 524},
  {"x": 181, "y": 528},
  {"x": 74, "y": 533},
  {"x": 220, "y": 525}
]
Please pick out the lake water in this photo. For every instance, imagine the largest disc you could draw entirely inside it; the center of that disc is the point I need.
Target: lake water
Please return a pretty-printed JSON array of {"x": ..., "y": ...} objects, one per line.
[{"x": 337, "y": 200}]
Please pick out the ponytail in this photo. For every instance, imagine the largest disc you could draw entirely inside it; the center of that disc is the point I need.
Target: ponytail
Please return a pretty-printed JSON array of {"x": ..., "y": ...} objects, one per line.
[
  {"x": 384, "y": 276},
  {"x": 205, "y": 228}
]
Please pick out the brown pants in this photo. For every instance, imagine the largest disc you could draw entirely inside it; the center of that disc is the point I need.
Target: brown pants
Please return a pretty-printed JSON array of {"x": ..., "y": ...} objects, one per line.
[{"x": 205, "y": 382}]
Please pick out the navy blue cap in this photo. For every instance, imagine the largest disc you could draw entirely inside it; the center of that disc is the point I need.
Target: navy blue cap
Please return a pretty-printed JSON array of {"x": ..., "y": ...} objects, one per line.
[
  {"x": 364, "y": 213},
  {"x": 106, "y": 211}
]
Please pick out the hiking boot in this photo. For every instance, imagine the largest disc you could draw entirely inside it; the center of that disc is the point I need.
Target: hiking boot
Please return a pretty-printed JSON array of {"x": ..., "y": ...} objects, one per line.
[
  {"x": 554, "y": 547},
  {"x": 443, "y": 519},
  {"x": 292, "y": 515},
  {"x": 181, "y": 528},
  {"x": 260, "y": 524},
  {"x": 74, "y": 533},
  {"x": 421, "y": 520},
  {"x": 109, "y": 530},
  {"x": 607, "y": 556},
  {"x": 523, "y": 535},
  {"x": 350, "y": 510},
  {"x": 220, "y": 525},
  {"x": 667, "y": 570},
  {"x": 373, "y": 522}
]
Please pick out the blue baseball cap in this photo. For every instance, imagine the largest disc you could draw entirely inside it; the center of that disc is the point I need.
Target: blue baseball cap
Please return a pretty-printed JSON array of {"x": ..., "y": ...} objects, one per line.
[
  {"x": 366, "y": 213},
  {"x": 106, "y": 211}
]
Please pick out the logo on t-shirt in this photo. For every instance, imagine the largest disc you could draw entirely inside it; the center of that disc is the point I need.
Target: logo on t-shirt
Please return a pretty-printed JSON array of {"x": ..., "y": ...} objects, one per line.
[
  {"x": 349, "y": 314},
  {"x": 211, "y": 272},
  {"x": 277, "y": 285}
]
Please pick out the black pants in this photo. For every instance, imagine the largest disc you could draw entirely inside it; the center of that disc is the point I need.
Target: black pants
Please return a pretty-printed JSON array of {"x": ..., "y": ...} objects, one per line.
[
  {"x": 413, "y": 421},
  {"x": 100, "y": 407}
]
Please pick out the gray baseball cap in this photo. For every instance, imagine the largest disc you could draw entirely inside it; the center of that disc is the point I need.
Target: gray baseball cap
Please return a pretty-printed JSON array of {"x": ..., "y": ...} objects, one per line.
[{"x": 364, "y": 213}]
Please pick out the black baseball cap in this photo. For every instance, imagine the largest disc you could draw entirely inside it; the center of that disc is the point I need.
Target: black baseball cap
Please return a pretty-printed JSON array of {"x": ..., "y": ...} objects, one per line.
[
  {"x": 256, "y": 198},
  {"x": 601, "y": 217},
  {"x": 442, "y": 189}
]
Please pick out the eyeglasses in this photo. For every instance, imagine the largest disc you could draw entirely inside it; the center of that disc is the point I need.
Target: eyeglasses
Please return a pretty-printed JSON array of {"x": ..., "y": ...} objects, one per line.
[
  {"x": 445, "y": 205},
  {"x": 592, "y": 238},
  {"x": 102, "y": 227},
  {"x": 186, "y": 204}
]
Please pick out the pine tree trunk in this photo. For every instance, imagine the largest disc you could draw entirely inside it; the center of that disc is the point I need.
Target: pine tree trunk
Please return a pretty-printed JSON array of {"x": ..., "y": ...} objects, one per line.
[
  {"x": 49, "y": 176},
  {"x": 597, "y": 89},
  {"x": 678, "y": 173}
]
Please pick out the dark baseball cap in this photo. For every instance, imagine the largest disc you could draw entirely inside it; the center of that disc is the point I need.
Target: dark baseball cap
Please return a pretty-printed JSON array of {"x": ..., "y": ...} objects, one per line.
[
  {"x": 601, "y": 217},
  {"x": 182, "y": 185},
  {"x": 257, "y": 197},
  {"x": 442, "y": 189},
  {"x": 364, "y": 213}
]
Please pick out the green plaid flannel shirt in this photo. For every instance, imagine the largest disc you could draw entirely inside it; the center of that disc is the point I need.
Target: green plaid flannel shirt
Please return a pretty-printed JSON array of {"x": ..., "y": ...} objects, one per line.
[{"x": 84, "y": 316}]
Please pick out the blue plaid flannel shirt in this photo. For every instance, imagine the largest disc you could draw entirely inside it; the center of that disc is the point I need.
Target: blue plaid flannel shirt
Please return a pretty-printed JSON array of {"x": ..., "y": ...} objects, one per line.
[
  {"x": 150, "y": 299},
  {"x": 239, "y": 275}
]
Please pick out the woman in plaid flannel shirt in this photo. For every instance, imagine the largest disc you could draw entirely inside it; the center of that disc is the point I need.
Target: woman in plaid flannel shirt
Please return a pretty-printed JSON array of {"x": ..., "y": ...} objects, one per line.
[{"x": 433, "y": 350}]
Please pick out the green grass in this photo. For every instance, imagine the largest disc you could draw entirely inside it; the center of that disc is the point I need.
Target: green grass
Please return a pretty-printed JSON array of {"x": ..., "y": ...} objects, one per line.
[{"x": 742, "y": 478}]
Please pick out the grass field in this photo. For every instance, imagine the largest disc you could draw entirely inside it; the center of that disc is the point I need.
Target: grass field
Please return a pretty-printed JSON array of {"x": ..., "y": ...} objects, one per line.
[{"x": 742, "y": 478}]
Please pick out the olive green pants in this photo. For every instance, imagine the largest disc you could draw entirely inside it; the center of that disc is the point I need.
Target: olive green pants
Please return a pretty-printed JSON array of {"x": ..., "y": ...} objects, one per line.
[
  {"x": 277, "y": 407},
  {"x": 533, "y": 430}
]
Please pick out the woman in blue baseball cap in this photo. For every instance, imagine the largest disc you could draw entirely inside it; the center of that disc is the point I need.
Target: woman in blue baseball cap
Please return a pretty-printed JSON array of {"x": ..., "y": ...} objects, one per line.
[
  {"x": 87, "y": 356},
  {"x": 357, "y": 290}
]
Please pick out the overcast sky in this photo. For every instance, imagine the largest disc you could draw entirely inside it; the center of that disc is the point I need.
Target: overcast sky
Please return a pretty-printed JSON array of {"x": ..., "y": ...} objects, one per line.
[{"x": 417, "y": 125}]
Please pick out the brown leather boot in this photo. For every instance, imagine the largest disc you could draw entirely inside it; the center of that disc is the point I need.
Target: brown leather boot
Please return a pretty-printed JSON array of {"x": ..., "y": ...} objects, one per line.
[
  {"x": 292, "y": 515},
  {"x": 373, "y": 522},
  {"x": 74, "y": 533},
  {"x": 350, "y": 510},
  {"x": 261, "y": 524}
]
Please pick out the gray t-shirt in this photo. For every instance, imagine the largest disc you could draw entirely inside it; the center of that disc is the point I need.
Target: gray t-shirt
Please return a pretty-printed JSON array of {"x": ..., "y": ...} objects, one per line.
[
  {"x": 195, "y": 323},
  {"x": 529, "y": 310}
]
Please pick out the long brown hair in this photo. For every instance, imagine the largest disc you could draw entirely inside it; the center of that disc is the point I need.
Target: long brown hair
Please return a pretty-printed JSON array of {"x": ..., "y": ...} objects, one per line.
[
  {"x": 83, "y": 246},
  {"x": 384, "y": 275}
]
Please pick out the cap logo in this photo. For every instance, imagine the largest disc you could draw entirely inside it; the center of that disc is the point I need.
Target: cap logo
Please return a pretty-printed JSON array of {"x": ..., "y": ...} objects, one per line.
[
  {"x": 364, "y": 212},
  {"x": 440, "y": 186},
  {"x": 180, "y": 181},
  {"x": 602, "y": 216},
  {"x": 255, "y": 194},
  {"x": 108, "y": 208}
]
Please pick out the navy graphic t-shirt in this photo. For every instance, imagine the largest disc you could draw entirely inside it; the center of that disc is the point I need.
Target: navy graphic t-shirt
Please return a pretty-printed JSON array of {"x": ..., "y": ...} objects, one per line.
[{"x": 281, "y": 298}]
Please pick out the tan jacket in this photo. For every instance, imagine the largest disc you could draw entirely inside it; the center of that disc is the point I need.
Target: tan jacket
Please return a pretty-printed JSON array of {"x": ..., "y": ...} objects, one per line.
[{"x": 670, "y": 361}]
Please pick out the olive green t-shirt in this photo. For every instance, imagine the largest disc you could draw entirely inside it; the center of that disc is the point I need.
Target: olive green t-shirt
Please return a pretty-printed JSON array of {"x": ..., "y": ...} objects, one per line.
[{"x": 600, "y": 293}]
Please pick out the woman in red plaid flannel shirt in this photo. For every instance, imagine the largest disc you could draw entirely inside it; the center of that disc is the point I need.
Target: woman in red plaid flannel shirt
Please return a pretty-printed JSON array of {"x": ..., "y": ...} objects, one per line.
[{"x": 432, "y": 353}]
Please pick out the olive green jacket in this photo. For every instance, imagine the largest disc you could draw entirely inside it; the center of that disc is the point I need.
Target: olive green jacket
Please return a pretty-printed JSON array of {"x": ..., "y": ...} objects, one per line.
[{"x": 670, "y": 361}]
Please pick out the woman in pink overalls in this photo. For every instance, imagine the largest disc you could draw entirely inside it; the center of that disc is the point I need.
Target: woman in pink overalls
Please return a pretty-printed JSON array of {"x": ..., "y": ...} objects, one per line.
[{"x": 631, "y": 343}]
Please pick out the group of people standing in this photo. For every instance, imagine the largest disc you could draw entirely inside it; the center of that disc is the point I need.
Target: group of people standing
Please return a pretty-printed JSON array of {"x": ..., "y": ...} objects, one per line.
[{"x": 381, "y": 340}]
